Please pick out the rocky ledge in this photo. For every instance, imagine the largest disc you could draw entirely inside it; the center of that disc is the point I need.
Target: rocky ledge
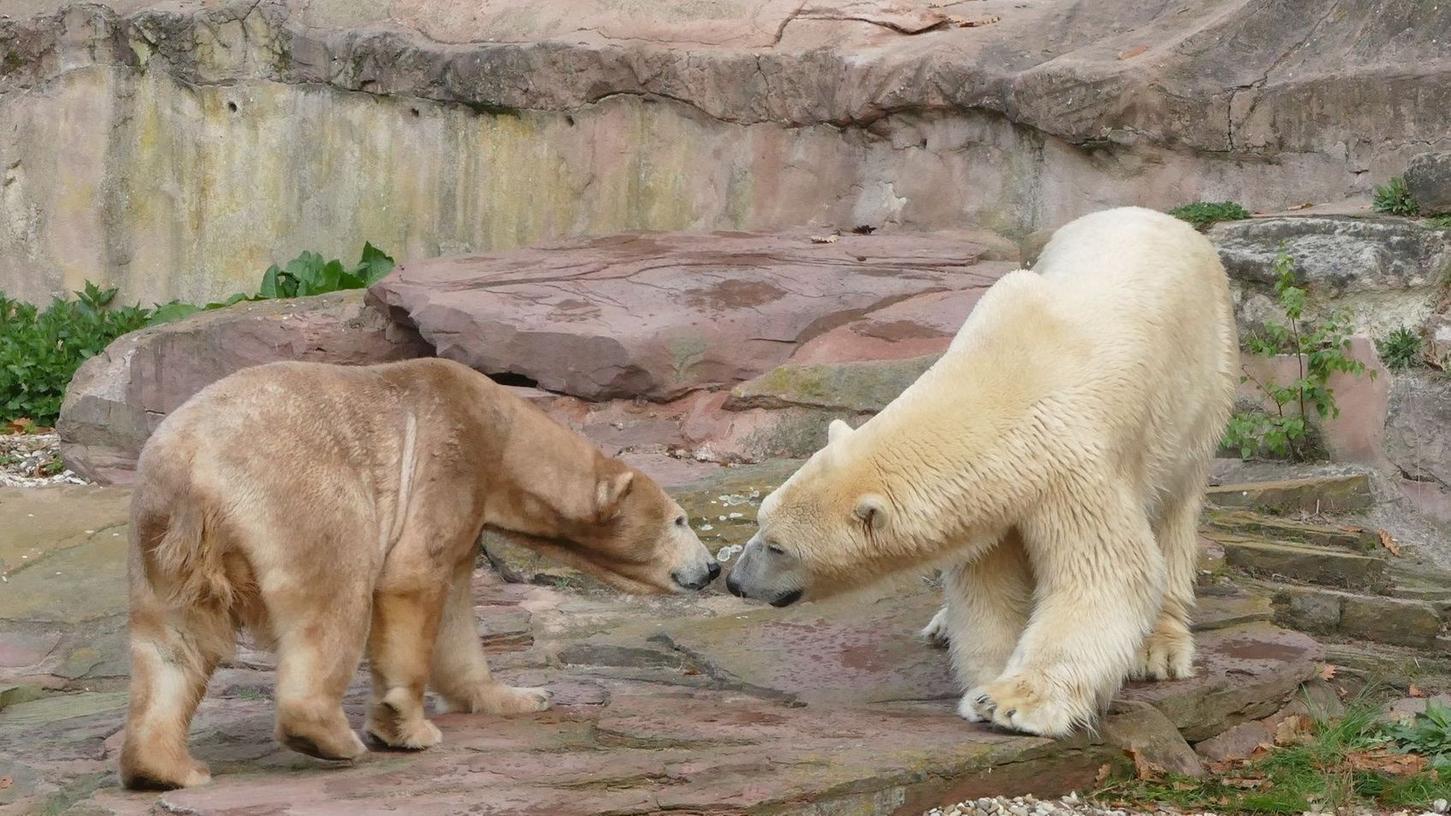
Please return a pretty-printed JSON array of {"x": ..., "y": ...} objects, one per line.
[{"x": 685, "y": 704}]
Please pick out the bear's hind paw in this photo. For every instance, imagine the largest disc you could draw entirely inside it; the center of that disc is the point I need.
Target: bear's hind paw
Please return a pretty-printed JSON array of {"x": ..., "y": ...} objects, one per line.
[
  {"x": 1165, "y": 657},
  {"x": 935, "y": 632}
]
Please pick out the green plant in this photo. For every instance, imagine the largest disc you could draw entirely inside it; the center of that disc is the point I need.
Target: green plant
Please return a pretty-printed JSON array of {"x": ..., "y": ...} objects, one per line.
[
  {"x": 1400, "y": 349},
  {"x": 1204, "y": 213},
  {"x": 1319, "y": 349},
  {"x": 41, "y": 350},
  {"x": 309, "y": 274},
  {"x": 1328, "y": 766},
  {"x": 1440, "y": 221},
  {"x": 1427, "y": 734},
  {"x": 1394, "y": 198}
]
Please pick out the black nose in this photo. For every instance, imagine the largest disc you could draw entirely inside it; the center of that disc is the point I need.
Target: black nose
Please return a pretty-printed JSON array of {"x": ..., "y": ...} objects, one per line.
[
  {"x": 714, "y": 570},
  {"x": 734, "y": 587}
]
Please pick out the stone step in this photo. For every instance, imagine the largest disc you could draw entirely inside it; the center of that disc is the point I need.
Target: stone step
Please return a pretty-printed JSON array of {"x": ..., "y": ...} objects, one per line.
[
  {"x": 1394, "y": 621},
  {"x": 1272, "y": 528},
  {"x": 1391, "y": 665},
  {"x": 1326, "y": 566},
  {"x": 1345, "y": 493}
]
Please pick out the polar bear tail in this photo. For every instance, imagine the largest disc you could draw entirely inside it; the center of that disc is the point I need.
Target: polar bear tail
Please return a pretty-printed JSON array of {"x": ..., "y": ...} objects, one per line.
[{"x": 185, "y": 566}]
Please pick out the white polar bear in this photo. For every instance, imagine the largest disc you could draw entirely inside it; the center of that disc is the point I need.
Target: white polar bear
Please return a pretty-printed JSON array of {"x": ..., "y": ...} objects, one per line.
[{"x": 1053, "y": 462}]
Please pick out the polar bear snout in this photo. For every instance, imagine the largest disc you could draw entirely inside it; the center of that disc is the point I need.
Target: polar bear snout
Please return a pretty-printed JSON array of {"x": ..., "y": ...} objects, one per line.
[
  {"x": 695, "y": 578},
  {"x": 766, "y": 572}
]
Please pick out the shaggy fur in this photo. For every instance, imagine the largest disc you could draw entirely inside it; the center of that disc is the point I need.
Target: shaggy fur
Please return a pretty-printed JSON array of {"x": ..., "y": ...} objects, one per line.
[
  {"x": 1053, "y": 462},
  {"x": 332, "y": 510}
]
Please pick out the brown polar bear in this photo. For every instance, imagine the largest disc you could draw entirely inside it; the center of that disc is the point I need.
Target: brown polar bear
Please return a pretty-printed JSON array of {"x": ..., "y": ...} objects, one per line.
[
  {"x": 332, "y": 509},
  {"x": 1053, "y": 462}
]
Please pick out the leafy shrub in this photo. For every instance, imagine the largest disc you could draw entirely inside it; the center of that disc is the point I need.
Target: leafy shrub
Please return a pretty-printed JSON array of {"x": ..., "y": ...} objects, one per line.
[
  {"x": 40, "y": 350},
  {"x": 1400, "y": 349},
  {"x": 1394, "y": 198},
  {"x": 1427, "y": 734},
  {"x": 309, "y": 274},
  {"x": 1320, "y": 350},
  {"x": 1202, "y": 214}
]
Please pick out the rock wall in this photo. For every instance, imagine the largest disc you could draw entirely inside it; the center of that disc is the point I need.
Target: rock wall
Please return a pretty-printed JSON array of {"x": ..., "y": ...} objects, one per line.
[{"x": 176, "y": 150}]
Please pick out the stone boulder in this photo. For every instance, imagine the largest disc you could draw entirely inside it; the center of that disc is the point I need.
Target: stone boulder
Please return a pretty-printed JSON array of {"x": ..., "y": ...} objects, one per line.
[
  {"x": 1418, "y": 428},
  {"x": 655, "y": 316},
  {"x": 1428, "y": 178},
  {"x": 118, "y": 397},
  {"x": 1385, "y": 271}
]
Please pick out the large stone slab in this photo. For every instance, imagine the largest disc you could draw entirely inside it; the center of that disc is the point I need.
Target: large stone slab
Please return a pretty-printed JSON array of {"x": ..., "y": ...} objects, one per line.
[
  {"x": 1418, "y": 428},
  {"x": 656, "y": 315},
  {"x": 682, "y": 704},
  {"x": 1385, "y": 271},
  {"x": 118, "y": 397},
  {"x": 1338, "y": 493},
  {"x": 1428, "y": 179}
]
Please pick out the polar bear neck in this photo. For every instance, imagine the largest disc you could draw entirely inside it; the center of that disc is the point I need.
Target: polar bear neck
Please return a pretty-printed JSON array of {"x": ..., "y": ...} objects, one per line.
[{"x": 975, "y": 440}]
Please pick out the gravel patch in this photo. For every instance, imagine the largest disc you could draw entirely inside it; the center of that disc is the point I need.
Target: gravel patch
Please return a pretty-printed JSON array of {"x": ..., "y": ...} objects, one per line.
[
  {"x": 1074, "y": 805},
  {"x": 1070, "y": 805},
  {"x": 33, "y": 460}
]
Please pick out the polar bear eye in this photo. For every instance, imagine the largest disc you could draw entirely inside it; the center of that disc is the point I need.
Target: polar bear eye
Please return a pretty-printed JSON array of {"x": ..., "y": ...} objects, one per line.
[
  {"x": 680, "y": 521},
  {"x": 775, "y": 550}
]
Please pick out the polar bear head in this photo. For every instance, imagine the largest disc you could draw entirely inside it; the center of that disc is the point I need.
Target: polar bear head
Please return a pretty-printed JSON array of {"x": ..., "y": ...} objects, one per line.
[{"x": 815, "y": 530}]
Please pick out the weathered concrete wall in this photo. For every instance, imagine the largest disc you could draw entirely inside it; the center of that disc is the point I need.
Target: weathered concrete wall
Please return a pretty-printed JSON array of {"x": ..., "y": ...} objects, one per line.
[{"x": 178, "y": 152}]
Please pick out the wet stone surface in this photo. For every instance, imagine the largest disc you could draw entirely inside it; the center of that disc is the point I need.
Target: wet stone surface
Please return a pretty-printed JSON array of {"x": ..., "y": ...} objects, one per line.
[{"x": 689, "y": 703}]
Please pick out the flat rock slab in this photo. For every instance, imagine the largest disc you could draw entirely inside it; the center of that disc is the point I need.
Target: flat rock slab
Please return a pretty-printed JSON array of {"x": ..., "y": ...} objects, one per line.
[
  {"x": 692, "y": 703},
  {"x": 656, "y": 315}
]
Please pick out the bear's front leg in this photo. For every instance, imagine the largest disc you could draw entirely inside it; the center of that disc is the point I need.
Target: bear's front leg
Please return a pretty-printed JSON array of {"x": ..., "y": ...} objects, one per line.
[
  {"x": 1100, "y": 584},
  {"x": 988, "y": 601},
  {"x": 460, "y": 672}
]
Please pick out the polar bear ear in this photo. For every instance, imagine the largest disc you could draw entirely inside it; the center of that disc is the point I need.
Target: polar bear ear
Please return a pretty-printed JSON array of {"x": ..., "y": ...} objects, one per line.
[
  {"x": 871, "y": 510},
  {"x": 837, "y": 430},
  {"x": 609, "y": 491}
]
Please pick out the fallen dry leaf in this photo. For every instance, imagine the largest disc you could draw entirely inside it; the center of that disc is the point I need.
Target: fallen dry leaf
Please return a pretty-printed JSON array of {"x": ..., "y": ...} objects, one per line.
[
  {"x": 1385, "y": 762},
  {"x": 1293, "y": 730},
  {"x": 825, "y": 239},
  {"x": 1415, "y": 691},
  {"x": 1389, "y": 543},
  {"x": 1305, "y": 206},
  {"x": 1327, "y": 672},
  {"x": 1130, "y": 53},
  {"x": 1103, "y": 771},
  {"x": 1245, "y": 782},
  {"x": 964, "y": 22},
  {"x": 1143, "y": 768}
]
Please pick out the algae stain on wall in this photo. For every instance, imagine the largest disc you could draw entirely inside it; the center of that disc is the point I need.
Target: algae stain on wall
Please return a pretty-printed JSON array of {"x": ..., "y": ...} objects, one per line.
[{"x": 189, "y": 191}]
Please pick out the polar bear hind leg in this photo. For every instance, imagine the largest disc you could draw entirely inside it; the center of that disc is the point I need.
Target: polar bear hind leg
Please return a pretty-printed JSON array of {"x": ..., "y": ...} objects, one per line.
[
  {"x": 989, "y": 600},
  {"x": 1168, "y": 651}
]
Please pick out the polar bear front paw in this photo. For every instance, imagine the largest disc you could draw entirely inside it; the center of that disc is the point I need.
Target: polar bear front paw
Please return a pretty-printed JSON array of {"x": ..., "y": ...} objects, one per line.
[
  {"x": 935, "y": 632},
  {"x": 1025, "y": 702},
  {"x": 1165, "y": 656}
]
